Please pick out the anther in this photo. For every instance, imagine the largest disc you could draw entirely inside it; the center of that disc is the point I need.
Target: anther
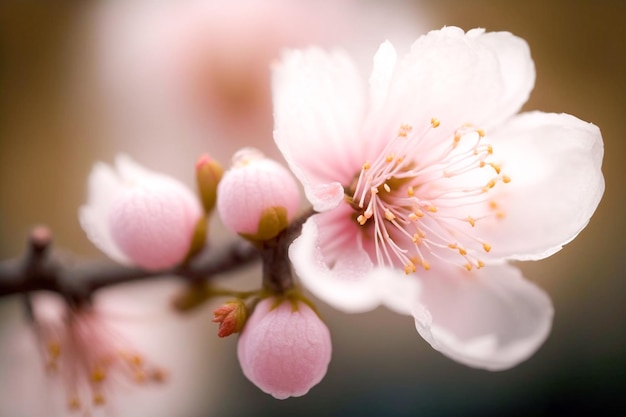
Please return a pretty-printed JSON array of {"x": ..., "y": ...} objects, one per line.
[
  {"x": 390, "y": 157},
  {"x": 471, "y": 221},
  {"x": 480, "y": 132},
  {"x": 98, "y": 399},
  {"x": 98, "y": 375},
  {"x": 361, "y": 219},
  {"x": 387, "y": 187},
  {"x": 506, "y": 179},
  {"x": 367, "y": 166},
  {"x": 389, "y": 215},
  {"x": 434, "y": 122},
  {"x": 486, "y": 247},
  {"x": 468, "y": 266},
  {"x": 410, "y": 191},
  {"x": 432, "y": 209}
]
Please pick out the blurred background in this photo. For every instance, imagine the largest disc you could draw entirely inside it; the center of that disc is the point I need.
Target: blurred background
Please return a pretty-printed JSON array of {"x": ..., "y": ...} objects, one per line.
[{"x": 82, "y": 81}]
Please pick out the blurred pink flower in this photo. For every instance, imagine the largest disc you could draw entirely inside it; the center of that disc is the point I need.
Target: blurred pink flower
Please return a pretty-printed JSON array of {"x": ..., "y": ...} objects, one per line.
[
  {"x": 139, "y": 217},
  {"x": 89, "y": 359},
  {"x": 431, "y": 174},
  {"x": 284, "y": 348},
  {"x": 198, "y": 72}
]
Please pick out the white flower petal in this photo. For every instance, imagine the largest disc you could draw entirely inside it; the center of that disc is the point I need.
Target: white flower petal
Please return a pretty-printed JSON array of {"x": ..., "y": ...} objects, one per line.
[
  {"x": 492, "y": 318},
  {"x": 554, "y": 161},
  {"x": 384, "y": 64},
  {"x": 475, "y": 77},
  {"x": 351, "y": 284},
  {"x": 103, "y": 186},
  {"x": 318, "y": 108}
]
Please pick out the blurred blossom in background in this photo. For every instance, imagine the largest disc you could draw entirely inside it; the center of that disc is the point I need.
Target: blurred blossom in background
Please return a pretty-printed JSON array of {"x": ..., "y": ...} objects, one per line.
[{"x": 167, "y": 81}]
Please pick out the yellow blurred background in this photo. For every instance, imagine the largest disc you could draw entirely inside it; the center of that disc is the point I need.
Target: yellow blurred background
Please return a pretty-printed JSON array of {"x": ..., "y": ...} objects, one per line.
[{"x": 380, "y": 366}]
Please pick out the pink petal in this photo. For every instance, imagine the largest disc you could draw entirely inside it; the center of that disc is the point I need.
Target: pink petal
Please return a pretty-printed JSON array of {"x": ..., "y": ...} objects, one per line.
[
  {"x": 284, "y": 352},
  {"x": 554, "y": 161},
  {"x": 492, "y": 318},
  {"x": 474, "y": 77},
  {"x": 318, "y": 107},
  {"x": 345, "y": 277}
]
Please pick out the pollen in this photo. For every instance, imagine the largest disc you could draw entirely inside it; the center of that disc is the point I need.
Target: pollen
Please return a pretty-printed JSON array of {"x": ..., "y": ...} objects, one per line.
[
  {"x": 98, "y": 399},
  {"x": 98, "y": 375},
  {"x": 434, "y": 122}
]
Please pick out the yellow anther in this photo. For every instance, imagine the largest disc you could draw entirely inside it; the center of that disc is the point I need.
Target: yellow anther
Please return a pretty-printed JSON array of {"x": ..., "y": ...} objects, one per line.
[
  {"x": 390, "y": 157},
  {"x": 419, "y": 213},
  {"x": 491, "y": 184},
  {"x": 389, "y": 215},
  {"x": 493, "y": 205},
  {"x": 496, "y": 167},
  {"x": 453, "y": 246},
  {"x": 462, "y": 251},
  {"x": 506, "y": 179},
  {"x": 426, "y": 265},
  {"x": 416, "y": 239},
  {"x": 410, "y": 191},
  {"x": 367, "y": 166},
  {"x": 468, "y": 266},
  {"x": 387, "y": 187},
  {"x": 98, "y": 375},
  {"x": 413, "y": 217},
  {"x": 486, "y": 247},
  {"x": 432, "y": 209},
  {"x": 471, "y": 221},
  {"x": 500, "y": 215},
  {"x": 489, "y": 149},
  {"x": 457, "y": 139},
  {"x": 410, "y": 267},
  {"x": 361, "y": 219},
  {"x": 98, "y": 399},
  {"x": 480, "y": 132},
  {"x": 73, "y": 403},
  {"x": 434, "y": 122},
  {"x": 54, "y": 349},
  {"x": 482, "y": 164},
  {"x": 480, "y": 264}
]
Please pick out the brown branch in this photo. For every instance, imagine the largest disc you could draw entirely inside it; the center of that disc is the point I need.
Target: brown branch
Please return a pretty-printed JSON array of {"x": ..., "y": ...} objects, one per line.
[{"x": 40, "y": 269}]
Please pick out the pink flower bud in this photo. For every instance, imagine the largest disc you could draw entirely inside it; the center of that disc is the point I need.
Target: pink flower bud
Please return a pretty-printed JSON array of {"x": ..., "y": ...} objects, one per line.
[
  {"x": 284, "y": 350},
  {"x": 139, "y": 217},
  {"x": 257, "y": 197},
  {"x": 231, "y": 317}
]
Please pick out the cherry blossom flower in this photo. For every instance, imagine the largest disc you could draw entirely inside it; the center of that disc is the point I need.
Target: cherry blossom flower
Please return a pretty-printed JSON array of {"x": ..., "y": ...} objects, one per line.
[
  {"x": 139, "y": 217},
  {"x": 88, "y": 358},
  {"x": 257, "y": 197},
  {"x": 284, "y": 348},
  {"x": 428, "y": 182}
]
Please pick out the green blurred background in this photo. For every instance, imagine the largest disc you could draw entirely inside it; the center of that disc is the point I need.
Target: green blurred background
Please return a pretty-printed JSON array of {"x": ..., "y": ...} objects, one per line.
[{"x": 380, "y": 366}]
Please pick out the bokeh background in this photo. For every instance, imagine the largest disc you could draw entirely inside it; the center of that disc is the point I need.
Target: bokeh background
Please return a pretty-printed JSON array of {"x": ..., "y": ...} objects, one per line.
[{"x": 52, "y": 130}]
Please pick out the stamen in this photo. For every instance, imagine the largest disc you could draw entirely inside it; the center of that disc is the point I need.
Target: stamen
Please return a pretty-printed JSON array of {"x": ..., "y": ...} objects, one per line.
[{"x": 434, "y": 122}]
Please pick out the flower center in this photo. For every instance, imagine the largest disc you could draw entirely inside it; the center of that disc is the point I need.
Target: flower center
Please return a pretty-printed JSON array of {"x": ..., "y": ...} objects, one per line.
[{"x": 422, "y": 197}]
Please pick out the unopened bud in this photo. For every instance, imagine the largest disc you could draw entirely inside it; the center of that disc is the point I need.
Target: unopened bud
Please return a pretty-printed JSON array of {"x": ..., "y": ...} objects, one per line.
[
  {"x": 208, "y": 175},
  {"x": 285, "y": 348},
  {"x": 231, "y": 317},
  {"x": 257, "y": 197}
]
